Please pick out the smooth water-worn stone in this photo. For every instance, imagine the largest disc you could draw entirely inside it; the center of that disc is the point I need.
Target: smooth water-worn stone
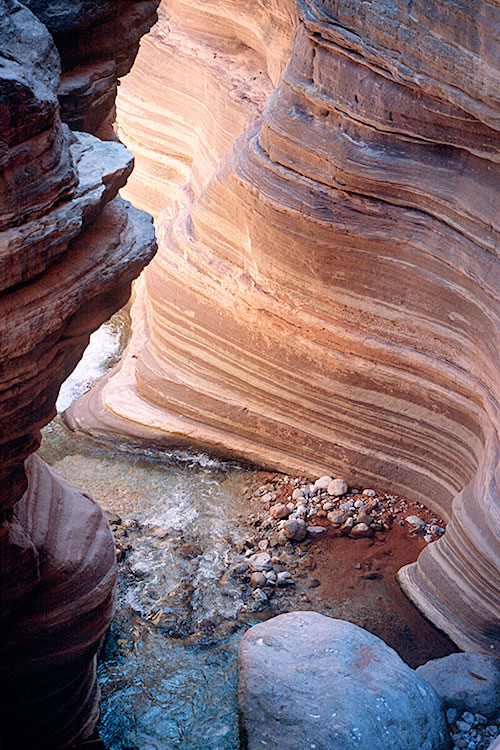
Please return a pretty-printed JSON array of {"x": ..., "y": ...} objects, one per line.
[
  {"x": 337, "y": 487},
  {"x": 306, "y": 680},
  {"x": 466, "y": 682},
  {"x": 295, "y": 529}
]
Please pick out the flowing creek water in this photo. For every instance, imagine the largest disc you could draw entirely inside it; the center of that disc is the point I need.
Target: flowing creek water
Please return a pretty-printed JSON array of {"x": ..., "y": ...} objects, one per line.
[{"x": 168, "y": 674}]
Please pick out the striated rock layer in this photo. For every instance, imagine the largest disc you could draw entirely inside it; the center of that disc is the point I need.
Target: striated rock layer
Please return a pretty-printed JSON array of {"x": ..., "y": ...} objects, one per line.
[
  {"x": 69, "y": 250},
  {"x": 97, "y": 43},
  {"x": 326, "y": 296}
]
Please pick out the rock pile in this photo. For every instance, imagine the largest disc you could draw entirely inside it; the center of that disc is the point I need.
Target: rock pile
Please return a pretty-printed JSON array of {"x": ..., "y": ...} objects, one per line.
[
  {"x": 297, "y": 511},
  {"x": 469, "y": 731}
]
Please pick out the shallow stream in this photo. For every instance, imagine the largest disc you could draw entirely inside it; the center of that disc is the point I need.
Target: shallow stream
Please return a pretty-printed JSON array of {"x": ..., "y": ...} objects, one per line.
[
  {"x": 168, "y": 672},
  {"x": 168, "y": 676}
]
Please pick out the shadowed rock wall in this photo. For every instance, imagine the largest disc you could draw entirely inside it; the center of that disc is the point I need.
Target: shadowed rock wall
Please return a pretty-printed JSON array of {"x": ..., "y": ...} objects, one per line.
[
  {"x": 69, "y": 250},
  {"x": 97, "y": 42},
  {"x": 326, "y": 292}
]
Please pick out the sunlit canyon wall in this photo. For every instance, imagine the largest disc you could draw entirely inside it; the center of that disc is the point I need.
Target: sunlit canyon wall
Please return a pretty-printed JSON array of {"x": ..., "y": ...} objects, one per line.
[
  {"x": 325, "y": 296},
  {"x": 69, "y": 250}
]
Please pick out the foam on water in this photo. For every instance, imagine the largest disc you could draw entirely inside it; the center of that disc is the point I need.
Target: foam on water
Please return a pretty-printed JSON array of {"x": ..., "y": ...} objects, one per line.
[{"x": 103, "y": 351}]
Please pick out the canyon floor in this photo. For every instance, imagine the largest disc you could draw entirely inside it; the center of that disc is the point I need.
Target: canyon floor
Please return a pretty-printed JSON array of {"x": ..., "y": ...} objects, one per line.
[{"x": 182, "y": 524}]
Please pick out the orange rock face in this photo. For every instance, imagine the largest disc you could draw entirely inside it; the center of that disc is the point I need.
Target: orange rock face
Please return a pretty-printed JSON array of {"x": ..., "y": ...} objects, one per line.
[
  {"x": 325, "y": 297},
  {"x": 69, "y": 250}
]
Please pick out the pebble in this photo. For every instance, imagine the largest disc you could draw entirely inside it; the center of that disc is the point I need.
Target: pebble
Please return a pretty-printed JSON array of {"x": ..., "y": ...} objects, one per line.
[
  {"x": 347, "y": 526},
  {"x": 263, "y": 544},
  {"x": 295, "y": 529},
  {"x": 323, "y": 482},
  {"x": 297, "y": 493},
  {"x": 337, "y": 487},
  {"x": 268, "y": 497},
  {"x": 435, "y": 529},
  {"x": 358, "y": 503},
  {"x": 328, "y": 506},
  {"x": 361, "y": 530},
  {"x": 369, "y": 493},
  {"x": 260, "y": 561},
  {"x": 338, "y": 517},
  {"x": 428, "y": 538},
  {"x": 259, "y": 595},
  {"x": 258, "y": 580},
  {"x": 284, "y": 579},
  {"x": 241, "y": 567},
  {"x": 347, "y": 505},
  {"x": 279, "y": 511},
  {"x": 414, "y": 521},
  {"x": 281, "y": 538},
  {"x": 271, "y": 576},
  {"x": 315, "y": 530}
]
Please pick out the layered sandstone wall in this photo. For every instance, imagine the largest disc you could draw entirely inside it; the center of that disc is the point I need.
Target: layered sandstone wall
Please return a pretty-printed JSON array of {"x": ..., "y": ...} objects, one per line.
[
  {"x": 326, "y": 292},
  {"x": 69, "y": 250}
]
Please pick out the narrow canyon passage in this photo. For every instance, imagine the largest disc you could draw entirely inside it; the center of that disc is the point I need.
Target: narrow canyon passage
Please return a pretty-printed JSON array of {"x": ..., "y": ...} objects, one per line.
[
  {"x": 287, "y": 211},
  {"x": 325, "y": 295},
  {"x": 168, "y": 674}
]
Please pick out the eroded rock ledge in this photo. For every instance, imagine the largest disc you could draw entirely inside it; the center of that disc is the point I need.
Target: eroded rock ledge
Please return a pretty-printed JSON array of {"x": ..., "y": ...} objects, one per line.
[
  {"x": 69, "y": 250},
  {"x": 97, "y": 43},
  {"x": 326, "y": 294}
]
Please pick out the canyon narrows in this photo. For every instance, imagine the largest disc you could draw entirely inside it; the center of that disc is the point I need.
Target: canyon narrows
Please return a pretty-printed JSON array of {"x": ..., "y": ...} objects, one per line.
[
  {"x": 70, "y": 249},
  {"x": 325, "y": 294},
  {"x": 324, "y": 302}
]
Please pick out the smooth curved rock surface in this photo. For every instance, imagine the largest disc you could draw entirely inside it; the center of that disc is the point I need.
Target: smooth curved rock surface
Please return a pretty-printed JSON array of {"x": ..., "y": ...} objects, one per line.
[
  {"x": 69, "y": 250},
  {"x": 309, "y": 681},
  {"x": 222, "y": 60},
  {"x": 467, "y": 682},
  {"x": 47, "y": 652},
  {"x": 326, "y": 300}
]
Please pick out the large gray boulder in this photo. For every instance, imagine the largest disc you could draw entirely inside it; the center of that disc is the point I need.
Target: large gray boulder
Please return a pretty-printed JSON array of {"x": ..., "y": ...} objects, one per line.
[
  {"x": 309, "y": 681},
  {"x": 467, "y": 682}
]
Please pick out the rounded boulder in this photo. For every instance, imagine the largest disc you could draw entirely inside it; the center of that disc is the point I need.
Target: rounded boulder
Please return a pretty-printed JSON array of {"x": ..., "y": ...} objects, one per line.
[{"x": 310, "y": 681}]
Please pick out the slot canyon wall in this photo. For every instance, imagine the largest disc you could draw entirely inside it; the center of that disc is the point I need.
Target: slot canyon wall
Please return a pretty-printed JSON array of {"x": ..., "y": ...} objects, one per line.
[
  {"x": 325, "y": 296},
  {"x": 69, "y": 250}
]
